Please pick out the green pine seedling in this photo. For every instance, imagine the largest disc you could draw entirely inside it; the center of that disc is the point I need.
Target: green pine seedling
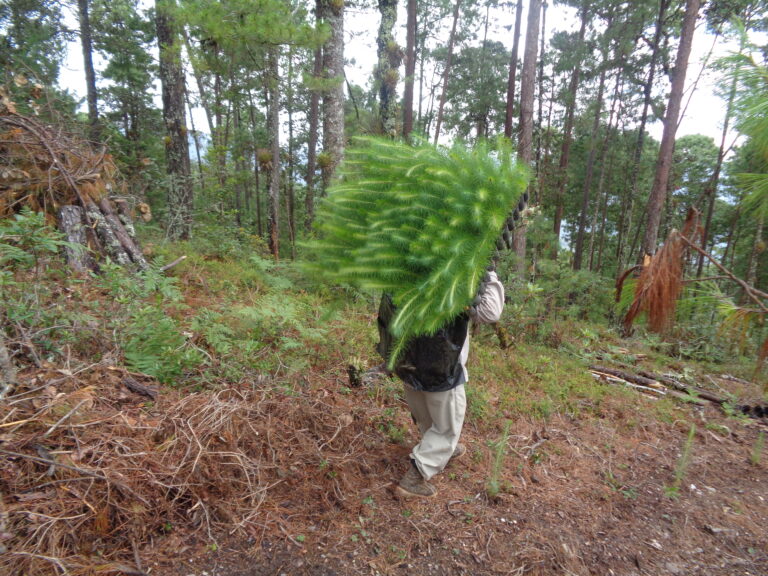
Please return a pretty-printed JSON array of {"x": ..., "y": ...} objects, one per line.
[{"x": 417, "y": 222}]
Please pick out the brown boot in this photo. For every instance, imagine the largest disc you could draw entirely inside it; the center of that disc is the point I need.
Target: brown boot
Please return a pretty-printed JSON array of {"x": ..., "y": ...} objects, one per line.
[
  {"x": 413, "y": 485},
  {"x": 459, "y": 451}
]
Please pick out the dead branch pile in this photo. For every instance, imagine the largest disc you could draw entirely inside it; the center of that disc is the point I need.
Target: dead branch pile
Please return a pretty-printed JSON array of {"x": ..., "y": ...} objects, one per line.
[
  {"x": 88, "y": 472},
  {"x": 51, "y": 171}
]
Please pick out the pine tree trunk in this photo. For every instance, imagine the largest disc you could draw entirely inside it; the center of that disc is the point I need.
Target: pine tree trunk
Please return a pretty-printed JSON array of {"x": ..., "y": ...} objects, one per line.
[
  {"x": 90, "y": 74},
  {"x": 540, "y": 115},
  {"x": 204, "y": 97},
  {"x": 664, "y": 162},
  {"x": 509, "y": 115},
  {"x": 625, "y": 223},
  {"x": 410, "y": 68},
  {"x": 386, "y": 72},
  {"x": 256, "y": 161},
  {"x": 273, "y": 219},
  {"x": 714, "y": 181},
  {"x": 447, "y": 70},
  {"x": 179, "y": 196},
  {"x": 314, "y": 122},
  {"x": 332, "y": 14},
  {"x": 525, "y": 142},
  {"x": 565, "y": 153},
  {"x": 758, "y": 246},
  {"x": 290, "y": 200}
]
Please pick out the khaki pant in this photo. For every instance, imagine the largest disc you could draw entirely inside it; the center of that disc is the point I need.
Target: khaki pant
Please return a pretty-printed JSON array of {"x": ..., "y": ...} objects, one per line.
[{"x": 439, "y": 416}]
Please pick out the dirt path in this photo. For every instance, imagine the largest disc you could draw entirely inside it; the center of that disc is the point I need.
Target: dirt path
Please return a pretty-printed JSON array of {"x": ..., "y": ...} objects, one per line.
[{"x": 580, "y": 496}]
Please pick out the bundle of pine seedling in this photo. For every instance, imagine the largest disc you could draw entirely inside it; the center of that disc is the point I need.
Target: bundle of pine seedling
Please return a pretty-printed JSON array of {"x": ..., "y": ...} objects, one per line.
[{"x": 417, "y": 222}]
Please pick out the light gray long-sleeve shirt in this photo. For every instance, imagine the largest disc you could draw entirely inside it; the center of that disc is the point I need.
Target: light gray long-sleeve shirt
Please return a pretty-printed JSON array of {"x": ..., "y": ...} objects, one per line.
[{"x": 487, "y": 311}]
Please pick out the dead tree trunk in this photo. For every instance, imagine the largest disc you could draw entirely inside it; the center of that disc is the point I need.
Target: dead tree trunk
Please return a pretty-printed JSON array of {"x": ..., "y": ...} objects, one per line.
[{"x": 71, "y": 223}]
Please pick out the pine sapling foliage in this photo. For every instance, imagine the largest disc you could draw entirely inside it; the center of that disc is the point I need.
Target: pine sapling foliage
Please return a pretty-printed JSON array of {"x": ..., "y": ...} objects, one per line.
[{"x": 417, "y": 222}]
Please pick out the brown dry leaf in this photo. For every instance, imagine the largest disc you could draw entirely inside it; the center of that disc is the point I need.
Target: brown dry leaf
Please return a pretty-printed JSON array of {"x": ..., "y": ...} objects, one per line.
[{"x": 20, "y": 80}]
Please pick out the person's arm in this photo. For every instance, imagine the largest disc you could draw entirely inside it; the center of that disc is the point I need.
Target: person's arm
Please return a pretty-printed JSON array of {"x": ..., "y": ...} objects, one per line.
[{"x": 490, "y": 301}]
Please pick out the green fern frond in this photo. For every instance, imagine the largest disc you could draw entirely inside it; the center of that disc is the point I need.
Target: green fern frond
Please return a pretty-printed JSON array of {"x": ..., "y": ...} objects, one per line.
[{"x": 418, "y": 222}]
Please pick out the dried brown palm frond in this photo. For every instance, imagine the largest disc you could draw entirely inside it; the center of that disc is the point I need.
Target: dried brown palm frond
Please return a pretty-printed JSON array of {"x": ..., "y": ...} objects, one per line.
[{"x": 660, "y": 281}]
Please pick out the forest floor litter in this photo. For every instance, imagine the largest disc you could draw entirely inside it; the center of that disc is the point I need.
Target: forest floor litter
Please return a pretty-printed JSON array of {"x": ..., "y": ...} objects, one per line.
[{"x": 296, "y": 477}]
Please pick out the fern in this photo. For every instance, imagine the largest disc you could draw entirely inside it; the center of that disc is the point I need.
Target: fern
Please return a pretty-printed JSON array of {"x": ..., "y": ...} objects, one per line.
[
  {"x": 419, "y": 222},
  {"x": 154, "y": 345}
]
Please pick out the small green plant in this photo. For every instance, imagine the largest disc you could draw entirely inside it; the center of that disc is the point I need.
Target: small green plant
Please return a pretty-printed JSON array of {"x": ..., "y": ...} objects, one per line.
[
  {"x": 26, "y": 237},
  {"x": 154, "y": 345},
  {"x": 757, "y": 449},
  {"x": 682, "y": 465},
  {"x": 499, "y": 448}
]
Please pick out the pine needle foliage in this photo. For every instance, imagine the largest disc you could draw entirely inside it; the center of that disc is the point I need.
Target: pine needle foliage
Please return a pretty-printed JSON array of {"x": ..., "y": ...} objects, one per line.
[{"x": 417, "y": 222}]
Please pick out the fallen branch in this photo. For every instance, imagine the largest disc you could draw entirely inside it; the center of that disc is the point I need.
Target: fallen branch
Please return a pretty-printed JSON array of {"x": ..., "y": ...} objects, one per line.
[
  {"x": 615, "y": 379},
  {"x": 122, "y": 487},
  {"x": 691, "y": 390},
  {"x": 178, "y": 260},
  {"x": 753, "y": 293},
  {"x": 139, "y": 388}
]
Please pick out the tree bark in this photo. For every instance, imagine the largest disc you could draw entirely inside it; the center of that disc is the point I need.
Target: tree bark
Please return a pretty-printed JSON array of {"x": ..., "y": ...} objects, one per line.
[
  {"x": 179, "y": 225},
  {"x": 386, "y": 73},
  {"x": 509, "y": 116},
  {"x": 664, "y": 162},
  {"x": 587, "y": 186},
  {"x": 332, "y": 14},
  {"x": 90, "y": 74},
  {"x": 447, "y": 70},
  {"x": 314, "y": 122},
  {"x": 70, "y": 222},
  {"x": 273, "y": 219},
  {"x": 410, "y": 68},
  {"x": 525, "y": 141},
  {"x": 565, "y": 153},
  {"x": 625, "y": 219}
]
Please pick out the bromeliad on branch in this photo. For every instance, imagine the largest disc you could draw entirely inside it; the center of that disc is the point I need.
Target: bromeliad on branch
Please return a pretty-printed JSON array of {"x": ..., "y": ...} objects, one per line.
[{"x": 418, "y": 222}]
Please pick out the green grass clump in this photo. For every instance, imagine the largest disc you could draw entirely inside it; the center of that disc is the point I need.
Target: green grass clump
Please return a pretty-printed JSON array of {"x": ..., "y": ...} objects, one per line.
[{"x": 417, "y": 222}]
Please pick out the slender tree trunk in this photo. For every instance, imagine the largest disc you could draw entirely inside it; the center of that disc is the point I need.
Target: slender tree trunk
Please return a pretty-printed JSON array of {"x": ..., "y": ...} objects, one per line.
[
  {"x": 565, "y": 153},
  {"x": 509, "y": 116},
  {"x": 634, "y": 169},
  {"x": 664, "y": 162},
  {"x": 238, "y": 180},
  {"x": 332, "y": 13},
  {"x": 525, "y": 141},
  {"x": 256, "y": 164},
  {"x": 273, "y": 219},
  {"x": 219, "y": 135},
  {"x": 177, "y": 146},
  {"x": 758, "y": 247},
  {"x": 196, "y": 140},
  {"x": 90, "y": 74},
  {"x": 540, "y": 114},
  {"x": 386, "y": 73},
  {"x": 602, "y": 200},
  {"x": 714, "y": 181},
  {"x": 587, "y": 186},
  {"x": 447, "y": 70},
  {"x": 291, "y": 201},
  {"x": 410, "y": 68},
  {"x": 204, "y": 96},
  {"x": 314, "y": 122}
]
